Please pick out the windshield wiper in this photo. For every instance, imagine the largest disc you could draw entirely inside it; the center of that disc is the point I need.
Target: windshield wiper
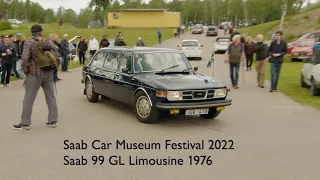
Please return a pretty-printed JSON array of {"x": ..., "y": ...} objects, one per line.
[
  {"x": 187, "y": 69},
  {"x": 169, "y": 68}
]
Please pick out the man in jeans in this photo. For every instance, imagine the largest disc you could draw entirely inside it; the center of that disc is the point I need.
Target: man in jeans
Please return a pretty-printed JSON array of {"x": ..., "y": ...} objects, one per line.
[
  {"x": 8, "y": 54},
  {"x": 19, "y": 46},
  {"x": 64, "y": 51},
  {"x": 234, "y": 55},
  {"x": 261, "y": 50},
  {"x": 36, "y": 78},
  {"x": 277, "y": 49}
]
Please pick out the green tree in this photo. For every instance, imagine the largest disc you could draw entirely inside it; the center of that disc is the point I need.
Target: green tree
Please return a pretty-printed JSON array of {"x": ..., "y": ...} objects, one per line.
[{"x": 101, "y": 5}]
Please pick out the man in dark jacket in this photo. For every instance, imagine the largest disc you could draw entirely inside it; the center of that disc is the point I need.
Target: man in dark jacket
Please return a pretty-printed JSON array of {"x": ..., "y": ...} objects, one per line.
[
  {"x": 261, "y": 50},
  {"x": 277, "y": 50},
  {"x": 117, "y": 39},
  {"x": 36, "y": 78},
  {"x": 64, "y": 51},
  {"x": 104, "y": 42},
  {"x": 15, "y": 58},
  {"x": 8, "y": 54},
  {"x": 82, "y": 49},
  {"x": 55, "y": 41},
  {"x": 121, "y": 42},
  {"x": 249, "y": 51}
]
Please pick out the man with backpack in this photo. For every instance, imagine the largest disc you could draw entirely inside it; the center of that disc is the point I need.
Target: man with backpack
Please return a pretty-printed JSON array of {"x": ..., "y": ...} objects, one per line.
[{"x": 39, "y": 59}]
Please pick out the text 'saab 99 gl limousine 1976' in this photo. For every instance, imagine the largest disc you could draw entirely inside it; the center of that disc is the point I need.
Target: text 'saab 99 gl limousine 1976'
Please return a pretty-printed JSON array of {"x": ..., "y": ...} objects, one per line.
[{"x": 154, "y": 81}]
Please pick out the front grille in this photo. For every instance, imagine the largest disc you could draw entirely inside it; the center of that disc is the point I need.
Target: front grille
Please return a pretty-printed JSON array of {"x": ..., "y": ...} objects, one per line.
[{"x": 198, "y": 94}]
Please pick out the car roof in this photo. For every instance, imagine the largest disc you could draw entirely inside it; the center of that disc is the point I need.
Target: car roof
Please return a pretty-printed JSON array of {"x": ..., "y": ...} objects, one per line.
[
  {"x": 222, "y": 38},
  {"x": 190, "y": 40},
  {"x": 140, "y": 49}
]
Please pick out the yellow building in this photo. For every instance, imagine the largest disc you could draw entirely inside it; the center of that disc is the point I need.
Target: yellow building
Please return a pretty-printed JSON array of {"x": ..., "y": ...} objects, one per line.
[{"x": 144, "y": 18}]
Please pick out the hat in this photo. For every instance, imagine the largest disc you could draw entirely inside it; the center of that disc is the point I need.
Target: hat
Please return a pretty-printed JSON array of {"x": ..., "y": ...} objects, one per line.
[
  {"x": 19, "y": 34},
  {"x": 36, "y": 28}
]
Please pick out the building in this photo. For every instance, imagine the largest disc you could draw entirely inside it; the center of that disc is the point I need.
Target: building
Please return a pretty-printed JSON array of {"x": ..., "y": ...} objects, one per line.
[{"x": 152, "y": 18}]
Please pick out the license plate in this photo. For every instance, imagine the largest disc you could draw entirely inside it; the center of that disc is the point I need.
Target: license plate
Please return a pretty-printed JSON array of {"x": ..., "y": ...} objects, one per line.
[
  {"x": 197, "y": 111},
  {"x": 220, "y": 108},
  {"x": 190, "y": 49}
]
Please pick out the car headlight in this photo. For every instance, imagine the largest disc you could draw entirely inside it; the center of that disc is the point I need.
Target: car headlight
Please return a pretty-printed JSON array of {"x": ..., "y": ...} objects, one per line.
[
  {"x": 220, "y": 93},
  {"x": 174, "y": 95}
]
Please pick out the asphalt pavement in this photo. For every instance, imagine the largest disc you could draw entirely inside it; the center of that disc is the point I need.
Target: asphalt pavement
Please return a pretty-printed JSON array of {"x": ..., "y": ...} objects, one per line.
[{"x": 273, "y": 137}]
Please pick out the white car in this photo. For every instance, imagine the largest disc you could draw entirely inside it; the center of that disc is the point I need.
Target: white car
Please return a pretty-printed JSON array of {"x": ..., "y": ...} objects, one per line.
[
  {"x": 191, "y": 48},
  {"x": 15, "y": 22},
  {"x": 310, "y": 74},
  {"x": 221, "y": 44}
]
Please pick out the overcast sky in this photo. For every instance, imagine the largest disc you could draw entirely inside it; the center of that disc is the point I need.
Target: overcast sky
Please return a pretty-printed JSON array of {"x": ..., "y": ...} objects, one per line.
[{"x": 73, "y": 4}]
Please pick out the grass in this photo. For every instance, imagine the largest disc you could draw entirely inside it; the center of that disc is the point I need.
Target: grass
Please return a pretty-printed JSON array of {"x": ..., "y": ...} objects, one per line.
[
  {"x": 289, "y": 83},
  {"x": 263, "y": 29},
  {"x": 130, "y": 35}
]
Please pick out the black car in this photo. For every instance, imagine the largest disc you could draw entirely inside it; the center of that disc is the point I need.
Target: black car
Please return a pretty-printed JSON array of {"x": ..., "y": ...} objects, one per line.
[{"x": 154, "y": 81}]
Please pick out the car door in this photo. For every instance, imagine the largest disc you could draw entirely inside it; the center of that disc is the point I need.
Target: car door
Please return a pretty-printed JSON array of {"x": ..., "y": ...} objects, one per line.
[
  {"x": 307, "y": 68},
  {"x": 95, "y": 71},
  {"x": 109, "y": 69},
  {"x": 123, "y": 78},
  {"x": 315, "y": 71}
]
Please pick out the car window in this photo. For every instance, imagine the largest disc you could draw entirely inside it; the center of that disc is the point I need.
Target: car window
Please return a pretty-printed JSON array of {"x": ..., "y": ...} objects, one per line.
[
  {"x": 316, "y": 58},
  {"x": 313, "y": 36},
  {"x": 223, "y": 40},
  {"x": 126, "y": 61},
  {"x": 111, "y": 62},
  {"x": 98, "y": 59},
  {"x": 190, "y": 44},
  {"x": 211, "y": 29}
]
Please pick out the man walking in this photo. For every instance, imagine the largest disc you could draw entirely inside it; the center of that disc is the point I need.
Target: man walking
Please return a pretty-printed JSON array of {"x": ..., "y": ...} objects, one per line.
[
  {"x": 82, "y": 49},
  {"x": 54, "y": 39},
  {"x": 14, "y": 65},
  {"x": 249, "y": 51},
  {"x": 64, "y": 51},
  {"x": 159, "y": 35},
  {"x": 277, "y": 50},
  {"x": 93, "y": 45},
  {"x": 36, "y": 78},
  {"x": 8, "y": 53},
  {"x": 233, "y": 56},
  {"x": 261, "y": 50},
  {"x": 104, "y": 42}
]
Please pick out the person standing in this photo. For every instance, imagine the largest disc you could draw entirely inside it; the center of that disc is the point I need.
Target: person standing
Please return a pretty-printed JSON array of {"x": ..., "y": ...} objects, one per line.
[
  {"x": 277, "y": 50},
  {"x": 64, "y": 51},
  {"x": 261, "y": 50},
  {"x": 55, "y": 40},
  {"x": 159, "y": 35},
  {"x": 122, "y": 42},
  {"x": 249, "y": 51},
  {"x": 104, "y": 42},
  {"x": 178, "y": 31},
  {"x": 8, "y": 54},
  {"x": 20, "y": 44},
  {"x": 140, "y": 42},
  {"x": 82, "y": 49},
  {"x": 14, "y": 44},
  {"x": 183, "y": 28},
  {"x": 93, "y": 45},
  {"x": 117, "y": 39},
  {"x": 234, "y": 56},
  {"x": 36, "y": 78}
]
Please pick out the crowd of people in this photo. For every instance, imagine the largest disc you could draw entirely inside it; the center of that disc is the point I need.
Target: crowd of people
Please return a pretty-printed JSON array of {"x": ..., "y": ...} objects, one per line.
[{"x": 242, "y": 52}]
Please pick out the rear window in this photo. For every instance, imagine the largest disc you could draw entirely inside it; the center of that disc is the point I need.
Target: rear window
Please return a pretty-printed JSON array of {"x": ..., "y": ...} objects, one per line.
[
  {"x": 211, "y": 29},
  {"x": 223, "y": 40},
  {"x": 189, "y": 44}
]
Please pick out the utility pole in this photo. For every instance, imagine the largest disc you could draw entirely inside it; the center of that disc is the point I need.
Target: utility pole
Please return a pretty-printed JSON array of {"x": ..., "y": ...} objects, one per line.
[{"x": 284, "y": 13}]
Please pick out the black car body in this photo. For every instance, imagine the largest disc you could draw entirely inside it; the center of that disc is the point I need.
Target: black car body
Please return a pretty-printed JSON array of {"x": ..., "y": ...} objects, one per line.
[
  {"x": 212, "y": 31},
  {"x": 155, "y": 81}
]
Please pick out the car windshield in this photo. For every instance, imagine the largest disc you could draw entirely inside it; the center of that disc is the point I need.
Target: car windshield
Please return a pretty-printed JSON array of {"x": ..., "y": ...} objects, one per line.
[
  {"x": 211, "y": 29},
  {"x": 304, "y": 36},
  {"x": 190, "y": 44},
  {"x": 153, "y": 62},
  {"x": 223, "y": 40},
  {"x": 305, "y": 43}
]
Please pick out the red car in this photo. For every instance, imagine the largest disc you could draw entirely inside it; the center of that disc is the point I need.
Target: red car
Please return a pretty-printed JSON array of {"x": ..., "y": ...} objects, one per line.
[
  {"x": 312, "y": 35},
  {"x": 303, "y": 49}
]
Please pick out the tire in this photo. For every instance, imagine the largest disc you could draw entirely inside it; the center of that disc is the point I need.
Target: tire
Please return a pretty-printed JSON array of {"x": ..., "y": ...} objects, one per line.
[
  {"x": 92, "y": 96},
  {"x": 314, "y": 91},
  {"x": 200, "y": 58},
  {"x": 302, "y": 83},
  {"x": 145, "y": 117},
  {"x": 213, "y": 113}
]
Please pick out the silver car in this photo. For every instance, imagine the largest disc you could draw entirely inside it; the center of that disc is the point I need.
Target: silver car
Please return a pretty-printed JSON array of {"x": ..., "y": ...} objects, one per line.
[
  {"x": 221, "y": 44},
  {"x": 310, "y": 74}
]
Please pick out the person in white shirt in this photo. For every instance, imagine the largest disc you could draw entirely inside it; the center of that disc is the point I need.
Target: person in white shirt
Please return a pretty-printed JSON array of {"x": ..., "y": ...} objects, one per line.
[{"x": 93, "y": 45}]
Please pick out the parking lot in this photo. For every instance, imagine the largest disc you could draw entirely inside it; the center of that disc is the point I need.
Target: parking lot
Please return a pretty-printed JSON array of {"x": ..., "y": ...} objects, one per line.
[{"x": 274, "y": 137}]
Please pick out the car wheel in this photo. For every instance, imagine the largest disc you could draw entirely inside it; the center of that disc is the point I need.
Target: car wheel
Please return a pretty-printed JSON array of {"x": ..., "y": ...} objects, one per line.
[
  {"x": 92, "y": 96},
  {"x": 213, "y": 113},
  {"x": 200, "y": 58},
  {"x": 143, "y": 109},
  {"x": 314, "y": 91},
  {"x": 302, "y": 83}
]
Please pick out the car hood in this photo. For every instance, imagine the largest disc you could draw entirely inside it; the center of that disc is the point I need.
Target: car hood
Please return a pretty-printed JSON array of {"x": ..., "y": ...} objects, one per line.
[
  {"x": 302, "y": 49},
  {"x": 171, "y": 81}
]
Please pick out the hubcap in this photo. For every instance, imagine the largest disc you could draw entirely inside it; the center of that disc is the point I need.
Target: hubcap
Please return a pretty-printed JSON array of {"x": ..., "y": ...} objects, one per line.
[
  {"x": 89, "y": 89},
  {"x": 143, "y": 106}
]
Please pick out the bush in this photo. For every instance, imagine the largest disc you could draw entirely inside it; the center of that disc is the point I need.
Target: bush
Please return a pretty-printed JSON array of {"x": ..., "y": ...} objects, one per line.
[{"x": 4, "y": 25}]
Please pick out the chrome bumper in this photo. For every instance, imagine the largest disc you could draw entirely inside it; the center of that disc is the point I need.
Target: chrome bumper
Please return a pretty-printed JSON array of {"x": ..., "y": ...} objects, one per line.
[{"x": 194, "y": 105}]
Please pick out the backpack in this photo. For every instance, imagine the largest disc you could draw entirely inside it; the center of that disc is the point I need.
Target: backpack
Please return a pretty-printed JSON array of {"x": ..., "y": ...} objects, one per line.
[{"x": 47, "y": 60}]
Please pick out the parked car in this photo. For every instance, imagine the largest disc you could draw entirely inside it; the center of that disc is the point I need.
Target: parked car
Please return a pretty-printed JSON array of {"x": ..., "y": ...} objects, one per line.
[
  {"x": 312, "y": 35},
  {"x": 197, "y": 29},
  {"x": 310, "y": 74},
  {"x": 191, "y": 48},
  {"x": 212, "y": 31},
  {"x": 221, "y": 44},
  {"x": 302, "y": 50},
  {"x": 15, "y": 22},
  {"x": 155, "y": 81}
]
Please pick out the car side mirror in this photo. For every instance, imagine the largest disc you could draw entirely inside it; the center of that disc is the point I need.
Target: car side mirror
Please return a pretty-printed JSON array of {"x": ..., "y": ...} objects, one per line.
[
  {"x": 196, "y": 68},
  {"x": 125, "y": 70}
]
